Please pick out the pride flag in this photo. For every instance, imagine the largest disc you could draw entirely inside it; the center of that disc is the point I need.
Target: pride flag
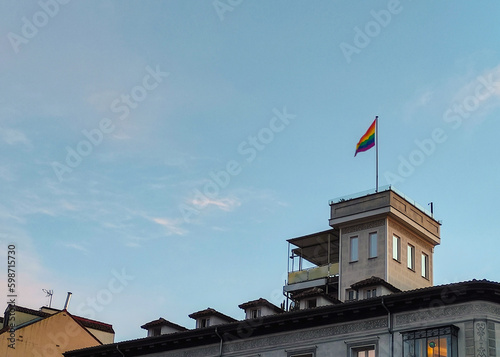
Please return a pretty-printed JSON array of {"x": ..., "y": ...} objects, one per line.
[{"x": 367, "y": 141}]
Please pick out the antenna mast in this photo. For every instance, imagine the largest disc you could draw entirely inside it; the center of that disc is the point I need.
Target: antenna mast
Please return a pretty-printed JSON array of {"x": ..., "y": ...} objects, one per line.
[{"x": 49, "y": 294}]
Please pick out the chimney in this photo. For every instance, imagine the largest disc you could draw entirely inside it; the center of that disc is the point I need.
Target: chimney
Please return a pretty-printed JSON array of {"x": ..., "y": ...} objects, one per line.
[{"x": 67, "y": 301}]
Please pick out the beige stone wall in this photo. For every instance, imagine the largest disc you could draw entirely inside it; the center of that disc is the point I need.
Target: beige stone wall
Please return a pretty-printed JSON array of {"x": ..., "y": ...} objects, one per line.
[
  {"x": 49, "y": 337},
  {"x": 399, "y": 274},
  {"x": 364, "y": 268}
]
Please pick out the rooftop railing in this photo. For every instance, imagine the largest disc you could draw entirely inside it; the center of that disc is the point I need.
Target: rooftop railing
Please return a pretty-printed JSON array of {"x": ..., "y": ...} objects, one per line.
[{"x": 381, "y": 189}]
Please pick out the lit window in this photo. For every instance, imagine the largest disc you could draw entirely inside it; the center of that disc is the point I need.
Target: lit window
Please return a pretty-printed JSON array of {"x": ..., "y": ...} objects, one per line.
[
  {"x": 373, "y": 245},
  {"x": 425, "y": 265},
  {"x": 441, "y": 341},
  {"x": 367, "y": 351},
  {"x": 354, "y": 249},
  {"x": 411, "y": 257},
  {"x": 396, "y": 248}
]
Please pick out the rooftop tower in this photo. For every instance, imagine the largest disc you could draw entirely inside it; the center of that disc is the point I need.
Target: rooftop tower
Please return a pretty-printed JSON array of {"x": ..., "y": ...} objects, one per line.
[{"x": 379, "y": 243}]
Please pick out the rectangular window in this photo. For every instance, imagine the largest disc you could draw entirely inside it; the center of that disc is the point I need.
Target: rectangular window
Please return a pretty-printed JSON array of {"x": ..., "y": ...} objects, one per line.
[
  {"x": 368, "y": 351},
  {"x": 351, "y": 295},
  {"x": 396, "y": 248},
  {"x": 371, "y": 293},
  {"x": 311, "y": 303},
  {"x": 425, "y": 266},
  {"x": 373, "y": 245},
  {"x": 303, "y": 352},
  {"x": 254, "y": 313},
  {"x": 204, "y": 323},
  {"x": 411, "y": 257},
  {"x": 441, "y": 341},
  {"x": 354, "y": 249}
]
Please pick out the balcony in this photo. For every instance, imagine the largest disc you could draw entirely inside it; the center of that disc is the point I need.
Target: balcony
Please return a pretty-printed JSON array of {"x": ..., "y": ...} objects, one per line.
[{"x": 314, "y": 273}]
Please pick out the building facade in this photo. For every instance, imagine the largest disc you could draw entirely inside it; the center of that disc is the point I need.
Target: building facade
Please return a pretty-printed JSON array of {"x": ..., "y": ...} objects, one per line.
[
  {"x": 49, "y": 332},
  {"x": 363, "y": 288}
]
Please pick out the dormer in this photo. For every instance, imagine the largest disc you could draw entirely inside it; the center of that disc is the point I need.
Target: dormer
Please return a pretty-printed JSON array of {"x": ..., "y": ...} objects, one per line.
[
  {"x": 370, "y": 288},
  {"x": 314, "y": 297},
  {"x": 162, "y": 327},
  {"x": 210, "y": 317},
  {"x": 259, "y": 308}
]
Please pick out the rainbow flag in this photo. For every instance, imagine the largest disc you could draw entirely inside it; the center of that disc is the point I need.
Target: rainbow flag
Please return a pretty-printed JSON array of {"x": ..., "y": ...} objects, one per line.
[{"x": 367, "y": 141}]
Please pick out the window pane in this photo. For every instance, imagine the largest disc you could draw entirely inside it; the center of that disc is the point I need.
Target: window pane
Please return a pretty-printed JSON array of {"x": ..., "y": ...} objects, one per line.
[
  {"x": 364, "y": 352},
  {"x": 395, "y": 248},
  {"x": 373, "y": 245},
  {"x": 409, "y": 348},
  {"x": 425, "y": 265},
  {"x": 411, "y": 257},
  {"x": 420, "y": 350},
  {"x": 434, "y": 342},
  {"x": 354, "y": 249}
]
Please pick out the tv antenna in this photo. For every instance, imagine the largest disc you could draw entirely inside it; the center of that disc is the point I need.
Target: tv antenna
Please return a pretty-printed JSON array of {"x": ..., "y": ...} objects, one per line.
[{"x": 49, "y": 294}]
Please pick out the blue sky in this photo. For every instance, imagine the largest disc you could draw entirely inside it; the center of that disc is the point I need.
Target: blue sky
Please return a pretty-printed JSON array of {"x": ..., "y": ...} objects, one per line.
[{"x": 156, "y": 155}]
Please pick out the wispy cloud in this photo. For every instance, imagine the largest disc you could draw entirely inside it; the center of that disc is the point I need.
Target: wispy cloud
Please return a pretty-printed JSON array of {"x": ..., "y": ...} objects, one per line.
[
  {"x": 14, "y": 137},
  {"x": 226, "y": 204},
  {"x": 173, "y": 226},
  {"x": 76, "y": 246}
]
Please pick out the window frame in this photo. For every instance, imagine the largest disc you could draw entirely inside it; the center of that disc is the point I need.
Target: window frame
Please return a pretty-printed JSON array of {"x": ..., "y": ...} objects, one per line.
[
  {"x": 156, "y": 331},
  {"x": 410, "y": 259},
  {"x": 396, "y": 248},
  {"x": 301, "y": 352},
  {"x": 353, "y": 259},
  {"x": 429, "y": 334},
  {"x": 353, "y": 348},
  {"x": 312, "y": 301},
  {"x": 372, "y": 245},
  {"x": 204, "y": 322},
  {"x": 255, "y": 313},
  {"x": 370, "y": 293},
  {"x": 425, "y": 266}
]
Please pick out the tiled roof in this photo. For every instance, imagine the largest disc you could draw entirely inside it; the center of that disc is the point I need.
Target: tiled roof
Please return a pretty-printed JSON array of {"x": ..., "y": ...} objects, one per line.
[
  {"x": 316, "y": 292},
  {"x": 162, "y": 322},
  {"x": 374, "y": 280},
  {"x": 96, "y": 325},
  {"x": 260, "y": 302},
  {"x": 413, "y": 300},
  {"x": 29, "y": 311},
  {"x": 88, "y": 323},
  {"x": 211, "y": 312}
]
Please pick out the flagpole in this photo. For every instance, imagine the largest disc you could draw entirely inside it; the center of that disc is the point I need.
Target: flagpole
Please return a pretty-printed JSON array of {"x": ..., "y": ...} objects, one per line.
[{"x": 376, "y": 154}]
